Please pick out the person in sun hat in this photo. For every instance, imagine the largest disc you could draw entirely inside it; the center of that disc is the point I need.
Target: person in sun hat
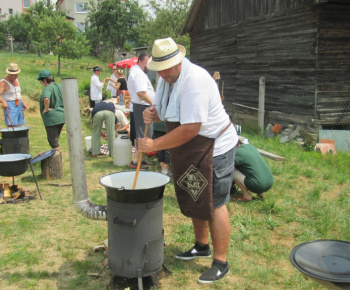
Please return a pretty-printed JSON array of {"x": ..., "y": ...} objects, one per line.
[
  {"x": 51, "y": 107},
  {"x": 202, "y": 142},
  {"x": 251, "y": 172},
  {"x": 11, "y": 99},
  {"x": 96, "y": 85}
]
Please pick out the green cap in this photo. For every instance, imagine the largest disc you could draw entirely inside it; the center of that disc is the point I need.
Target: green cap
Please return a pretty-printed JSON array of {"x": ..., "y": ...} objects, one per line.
[{"x": 44, "y": 74}]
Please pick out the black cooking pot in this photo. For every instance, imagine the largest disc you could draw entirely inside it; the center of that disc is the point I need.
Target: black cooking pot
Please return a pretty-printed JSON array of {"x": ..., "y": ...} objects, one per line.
[
  {"x": 14, "y": 164},
  {"x": 14, "y": 132},
  {"x": 149, "y": 187},
  {"x": 14, "y": 140}
]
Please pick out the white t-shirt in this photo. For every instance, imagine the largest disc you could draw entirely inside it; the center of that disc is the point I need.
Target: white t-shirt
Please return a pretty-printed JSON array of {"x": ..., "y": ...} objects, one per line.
[
  {"x": 138, "y": 81},
  {"x": 200, "y": 102},
  {"x": 95, "y": 88},
  {"x": 110, "y": 88}
]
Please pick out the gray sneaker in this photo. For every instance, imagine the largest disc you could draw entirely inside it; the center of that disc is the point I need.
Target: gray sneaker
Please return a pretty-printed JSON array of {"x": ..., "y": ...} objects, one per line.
[
  {"x": 193, "y": 253},
  {"x": 213, "y": 274}
]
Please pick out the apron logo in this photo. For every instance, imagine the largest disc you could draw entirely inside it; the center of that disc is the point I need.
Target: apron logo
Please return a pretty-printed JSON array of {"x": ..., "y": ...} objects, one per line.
[{"x": 193, "y": 182}]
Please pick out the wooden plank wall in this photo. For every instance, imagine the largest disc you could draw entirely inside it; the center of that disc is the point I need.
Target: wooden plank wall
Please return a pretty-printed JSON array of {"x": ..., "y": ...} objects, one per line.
[
  {"x": 333, "y": 64},
  {"x": 301, "y": 49}
]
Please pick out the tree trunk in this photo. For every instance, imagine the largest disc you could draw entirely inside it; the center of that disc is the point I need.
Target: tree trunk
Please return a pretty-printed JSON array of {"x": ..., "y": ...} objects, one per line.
[
  {"x": 52, "y": 167},
  {"x": 59, "y": 65}
]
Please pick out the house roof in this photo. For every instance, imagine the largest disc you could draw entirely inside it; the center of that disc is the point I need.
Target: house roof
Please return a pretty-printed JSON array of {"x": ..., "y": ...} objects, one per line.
[{"x": 190, "y": 17}]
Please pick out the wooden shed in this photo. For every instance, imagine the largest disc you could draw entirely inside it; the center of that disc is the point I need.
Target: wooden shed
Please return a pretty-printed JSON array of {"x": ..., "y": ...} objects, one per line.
[{"x": 301, "y": 47}]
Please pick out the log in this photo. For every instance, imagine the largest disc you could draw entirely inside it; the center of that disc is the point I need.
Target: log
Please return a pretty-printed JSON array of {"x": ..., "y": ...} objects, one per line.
[{"x": 52, "y": 167}]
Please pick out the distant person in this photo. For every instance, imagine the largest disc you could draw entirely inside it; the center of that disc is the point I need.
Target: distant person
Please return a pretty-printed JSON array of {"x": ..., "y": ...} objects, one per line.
[
  {"x": 251, "y": 172},
  {"x": 142, "y": 93},
  {"x": 11, "y": 99},
  {"x": 51, "y": 108},
  {"x": 103, "y": 112},
  {"x": 96, "y": 85},
  {"x": 123, "y": 120},
  {"x": 112, "y": 79},
  {"x": 119, "y": 86}
]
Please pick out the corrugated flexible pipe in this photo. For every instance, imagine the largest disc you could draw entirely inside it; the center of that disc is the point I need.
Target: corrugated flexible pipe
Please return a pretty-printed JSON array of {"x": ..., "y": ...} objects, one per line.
[{"x": 76, "y": 153}]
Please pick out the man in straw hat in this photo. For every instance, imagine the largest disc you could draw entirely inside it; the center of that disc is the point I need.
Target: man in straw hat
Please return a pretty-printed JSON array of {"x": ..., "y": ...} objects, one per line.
[
  {"x": 202, "y": 141},
  {"x": 11, "y": 99}
]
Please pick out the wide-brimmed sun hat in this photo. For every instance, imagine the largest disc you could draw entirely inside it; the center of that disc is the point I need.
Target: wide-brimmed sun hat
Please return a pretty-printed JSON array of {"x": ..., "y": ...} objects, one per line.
[
  {"x": 13, "y": 69},
  {"x": 165, "y": 54}
]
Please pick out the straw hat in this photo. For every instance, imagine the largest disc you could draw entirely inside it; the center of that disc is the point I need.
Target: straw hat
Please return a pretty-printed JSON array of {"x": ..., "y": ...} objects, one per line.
[
  {"x": 13, "y": 69},
  {"x": 165, "y": 54}
]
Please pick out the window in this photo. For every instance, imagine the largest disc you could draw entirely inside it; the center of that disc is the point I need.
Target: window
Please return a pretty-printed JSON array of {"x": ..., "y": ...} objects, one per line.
[
  {"x": 10, "y": 11},
  {"x": 81, "y": 8},
  {"x": 0, "y": 11},
  {"x": 26, "y": 3},
  {"x": 81, "y": 26}
]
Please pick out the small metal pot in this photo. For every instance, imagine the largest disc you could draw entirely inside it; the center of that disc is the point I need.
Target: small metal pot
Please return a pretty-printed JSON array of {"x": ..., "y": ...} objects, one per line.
[
  {"x": 149, "y": 187},
  {"x": 14, "y": 164}
]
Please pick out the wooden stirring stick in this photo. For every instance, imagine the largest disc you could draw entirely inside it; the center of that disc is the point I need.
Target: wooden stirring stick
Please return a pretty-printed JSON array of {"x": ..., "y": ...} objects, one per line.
[
  {"x": 8, "y": 117},
  {"x": 140, "y": 159}
]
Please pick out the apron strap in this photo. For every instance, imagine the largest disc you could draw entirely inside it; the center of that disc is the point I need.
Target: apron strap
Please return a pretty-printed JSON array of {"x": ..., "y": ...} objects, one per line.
[{"x": 223, "y": 131}]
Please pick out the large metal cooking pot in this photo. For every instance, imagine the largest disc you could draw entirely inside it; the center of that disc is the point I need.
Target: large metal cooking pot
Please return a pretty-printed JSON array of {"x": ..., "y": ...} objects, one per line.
[
  {"x": 14, "y": 164},
  {"x": 14, "y": 140},
  {"x": 150, "y": 186}
]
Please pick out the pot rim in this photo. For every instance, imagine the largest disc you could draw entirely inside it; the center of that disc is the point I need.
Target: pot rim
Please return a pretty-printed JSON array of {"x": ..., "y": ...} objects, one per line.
[
  {"x": 167, "y": 178},
  {"x": 15, "y": 129},
  {"x": 14, "y": 157}
]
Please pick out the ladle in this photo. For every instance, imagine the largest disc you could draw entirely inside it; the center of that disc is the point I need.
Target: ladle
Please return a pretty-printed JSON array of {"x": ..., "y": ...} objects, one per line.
[
  {"x": 139, "y": 162},
  {"x": 8, "y": 116}
]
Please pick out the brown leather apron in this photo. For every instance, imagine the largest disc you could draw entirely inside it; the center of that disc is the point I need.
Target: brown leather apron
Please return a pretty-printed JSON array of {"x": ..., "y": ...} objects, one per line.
[{"x": 192, "y": 168}]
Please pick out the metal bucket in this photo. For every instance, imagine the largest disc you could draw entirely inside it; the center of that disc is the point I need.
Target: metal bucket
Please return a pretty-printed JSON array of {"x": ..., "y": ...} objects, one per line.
[
  {"x": 135, "y": 223},
  {"x": 15, "y": 140}
]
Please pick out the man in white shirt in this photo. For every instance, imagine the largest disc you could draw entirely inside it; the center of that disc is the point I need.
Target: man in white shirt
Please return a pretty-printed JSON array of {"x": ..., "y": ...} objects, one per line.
[
  {"x": 202, "y": 141},
  {"x": 113, "y": 77},
  {"x": 96, "y": 86},
  {"x": 142, "y": 93}
]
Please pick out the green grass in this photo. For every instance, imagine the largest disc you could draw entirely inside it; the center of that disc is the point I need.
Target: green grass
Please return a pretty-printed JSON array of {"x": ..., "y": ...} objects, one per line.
[{"x": 46, "y": 244}]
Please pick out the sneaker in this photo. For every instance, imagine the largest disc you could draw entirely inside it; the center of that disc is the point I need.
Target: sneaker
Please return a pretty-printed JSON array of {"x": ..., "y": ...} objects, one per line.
[
  {"x": 193, "y": 253},
  {"x": 134, "y": 166},
  {"x": 146, "y": 162},
  {"x": 166, "y": 172},
  {"x": 214, "y": 273}
]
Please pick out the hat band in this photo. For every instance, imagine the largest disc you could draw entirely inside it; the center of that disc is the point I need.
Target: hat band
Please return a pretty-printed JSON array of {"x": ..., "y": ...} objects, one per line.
[
  {"x": 165, "y": 57},
  {"x": 11, "y": 70}
]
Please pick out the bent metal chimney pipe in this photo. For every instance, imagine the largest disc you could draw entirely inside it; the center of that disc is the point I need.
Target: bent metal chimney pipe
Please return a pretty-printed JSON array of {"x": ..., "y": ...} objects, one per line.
[{"x": 76, "y": 153}]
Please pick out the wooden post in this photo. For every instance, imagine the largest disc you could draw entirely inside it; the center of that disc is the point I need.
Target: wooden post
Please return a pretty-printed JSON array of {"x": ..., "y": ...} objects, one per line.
[
  {"x": 52, "y": 167},
  {"x": 261, "y": 113}
]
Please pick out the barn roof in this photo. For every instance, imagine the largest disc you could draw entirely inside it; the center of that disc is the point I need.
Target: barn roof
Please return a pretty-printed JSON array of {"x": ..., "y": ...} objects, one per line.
[{"x": 190, "y": 17}]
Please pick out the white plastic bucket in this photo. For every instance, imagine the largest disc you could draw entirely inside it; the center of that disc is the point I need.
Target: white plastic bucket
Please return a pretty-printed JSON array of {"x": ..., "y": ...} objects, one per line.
[{"x": 88, "y": 143}]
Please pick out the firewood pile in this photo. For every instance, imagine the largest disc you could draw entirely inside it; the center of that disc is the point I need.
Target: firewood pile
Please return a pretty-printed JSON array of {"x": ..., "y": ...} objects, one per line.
[{"x": 13, "y": 194}]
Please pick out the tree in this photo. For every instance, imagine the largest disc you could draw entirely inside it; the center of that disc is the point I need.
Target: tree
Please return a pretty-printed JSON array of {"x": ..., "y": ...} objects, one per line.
[
  {"x": 20, "y": 30},
  {"x": 115, "y": 22},
  {"x": 170, "y": 16},
  {"x": 52, "y": 32},
  {"x": 3, "y": 31}
]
